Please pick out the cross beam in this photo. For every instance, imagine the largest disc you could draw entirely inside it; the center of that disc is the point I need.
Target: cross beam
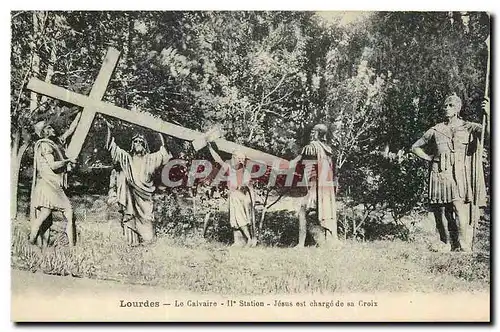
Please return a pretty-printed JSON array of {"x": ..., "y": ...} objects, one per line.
[
  {"x": 88, "y": 113},
  {"x": 93, "y": 103}
]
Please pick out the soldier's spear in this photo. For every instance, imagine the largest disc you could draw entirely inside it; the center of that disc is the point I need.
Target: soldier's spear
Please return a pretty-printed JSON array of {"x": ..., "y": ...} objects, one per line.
[{"x": 475, "y": 214}]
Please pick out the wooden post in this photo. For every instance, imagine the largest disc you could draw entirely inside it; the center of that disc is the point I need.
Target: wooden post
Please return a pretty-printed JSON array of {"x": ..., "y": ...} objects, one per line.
[{"x": 475, "y": 214}]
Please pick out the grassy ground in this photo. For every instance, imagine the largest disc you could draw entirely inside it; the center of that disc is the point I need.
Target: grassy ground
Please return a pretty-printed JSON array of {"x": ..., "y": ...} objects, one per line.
[{"x": 192, "y": 263}]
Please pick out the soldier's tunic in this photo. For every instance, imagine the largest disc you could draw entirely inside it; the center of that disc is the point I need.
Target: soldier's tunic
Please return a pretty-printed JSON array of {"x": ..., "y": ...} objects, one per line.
[
  {"x": 134, "y": 190},
  {"x": 455, "y": 172},
  {"x": 321, "y": 188},
  {"x": 48, "y": 185}
]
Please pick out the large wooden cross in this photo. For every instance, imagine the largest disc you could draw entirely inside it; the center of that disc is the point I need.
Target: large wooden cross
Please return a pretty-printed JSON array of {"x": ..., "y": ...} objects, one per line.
[{"x": 92, "y": 104}]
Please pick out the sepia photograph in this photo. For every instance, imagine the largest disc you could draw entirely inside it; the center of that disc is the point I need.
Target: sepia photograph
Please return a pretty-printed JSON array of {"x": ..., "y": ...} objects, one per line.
[{"x": 250, "y": 166}]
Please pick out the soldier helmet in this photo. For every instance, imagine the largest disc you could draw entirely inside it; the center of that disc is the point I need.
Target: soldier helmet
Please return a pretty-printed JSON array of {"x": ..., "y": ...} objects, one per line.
[
  {"x": 39, "y": 126},
  {"x": 454, "y": 98}
]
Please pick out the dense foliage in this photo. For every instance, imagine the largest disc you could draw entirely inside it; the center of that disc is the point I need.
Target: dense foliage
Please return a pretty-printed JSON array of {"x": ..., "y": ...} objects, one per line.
[{"x": 376, "y": 79}]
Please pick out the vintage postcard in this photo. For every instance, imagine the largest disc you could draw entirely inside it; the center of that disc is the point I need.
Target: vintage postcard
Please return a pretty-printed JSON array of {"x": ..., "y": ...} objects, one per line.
[{"x": 250, "y": 166}]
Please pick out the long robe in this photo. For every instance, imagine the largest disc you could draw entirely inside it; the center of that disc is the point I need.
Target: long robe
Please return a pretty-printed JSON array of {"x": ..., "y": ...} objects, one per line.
[
  {"x": 48, "y": 186},
  {"x": 241, "y": 199},
  {"x": 135, "y": 189},
  {"x": 321, "y": 191}
]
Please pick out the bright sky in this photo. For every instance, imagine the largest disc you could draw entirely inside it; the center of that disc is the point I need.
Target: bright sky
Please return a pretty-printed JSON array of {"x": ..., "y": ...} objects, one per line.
[{"x": 343, "y": 17}]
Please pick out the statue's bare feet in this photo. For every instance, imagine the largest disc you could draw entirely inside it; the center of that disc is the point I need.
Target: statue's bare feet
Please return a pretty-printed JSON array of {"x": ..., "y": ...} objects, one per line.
[
  {"x": 33, "y": 245},
  {"x": 31, "y": 240},
  {"x": 463, "y": 250},
  {"x": 440, "y": 247}
]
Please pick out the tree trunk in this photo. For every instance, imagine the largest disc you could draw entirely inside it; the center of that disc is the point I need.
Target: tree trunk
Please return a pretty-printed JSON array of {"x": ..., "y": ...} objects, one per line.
[
  {"x": 36, "y": 61},
  {"x": 14, "y": 175},
  {"x": 125, "y": 61},
  {"x": 18, "y": 149},
  {"x": 50, "y": 68},
  {"x": 34, "y": 95},
  {"x": 354, "y": 229},
  {"x": 16, "y": 157},
  {"x": 262, "y": 216},
  {"x": 261, "y": 223},
  {"x": 206, "y": 220},
  {"x": 14, "y": 181}
]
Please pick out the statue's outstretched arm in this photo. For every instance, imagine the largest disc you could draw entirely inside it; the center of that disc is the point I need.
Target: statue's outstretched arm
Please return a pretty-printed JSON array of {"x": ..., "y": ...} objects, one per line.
[{"x": 72, "y": 127}]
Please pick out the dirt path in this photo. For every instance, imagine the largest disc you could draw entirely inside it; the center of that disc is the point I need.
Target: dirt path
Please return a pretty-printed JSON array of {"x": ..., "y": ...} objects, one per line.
[
  {"x": 23, "y": 282},
  {"x": 40, "y": 297}
]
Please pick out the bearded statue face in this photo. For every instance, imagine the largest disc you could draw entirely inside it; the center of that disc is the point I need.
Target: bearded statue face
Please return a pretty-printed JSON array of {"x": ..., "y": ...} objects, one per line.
[{"x": 139, "y": 145}]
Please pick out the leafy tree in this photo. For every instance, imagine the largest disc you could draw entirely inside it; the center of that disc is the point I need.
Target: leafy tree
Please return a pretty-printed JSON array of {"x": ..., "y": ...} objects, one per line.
[
  {"x": 266, "y": 78},
  {"x": 38, "y": 45}
]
